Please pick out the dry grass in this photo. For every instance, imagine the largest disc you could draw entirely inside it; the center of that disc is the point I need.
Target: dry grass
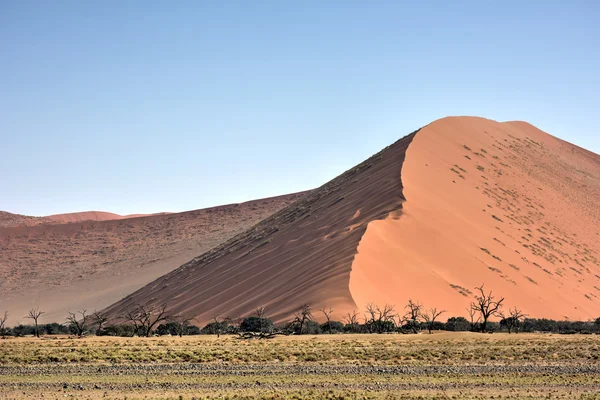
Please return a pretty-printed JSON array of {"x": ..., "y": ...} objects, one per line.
[
  {"x": 441, "y": 348},
  {"x": 442, "y": 365}
]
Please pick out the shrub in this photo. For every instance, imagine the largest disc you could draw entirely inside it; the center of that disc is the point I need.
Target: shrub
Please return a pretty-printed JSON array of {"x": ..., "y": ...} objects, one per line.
[
  {"x": 332, "y": 326},
  {"x": 123, "y": 330},
  {"x": 256, "y": 324},
  {"x": 170, "y": 328},
  {"x": 311, "y": 328},
  {"x": 23, "y": 330},
  {"x": 457, "y": 324},
  {"x": 354, "y": 328},
  {"x": 214, "y": 328}
]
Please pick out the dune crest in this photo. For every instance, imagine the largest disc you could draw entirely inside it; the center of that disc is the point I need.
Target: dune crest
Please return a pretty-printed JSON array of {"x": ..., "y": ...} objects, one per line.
[{"x": 503, "y": 204}]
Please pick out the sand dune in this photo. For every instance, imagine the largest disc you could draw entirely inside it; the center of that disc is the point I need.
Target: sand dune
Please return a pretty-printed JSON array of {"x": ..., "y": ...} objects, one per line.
[
  {"x": 9, "y": 220},
  {"x": 91, "y": 264},
  {"x": 503, "y": 204},
  {"x": 93, "y": 216},
  {"x": 461, "y": 202}
]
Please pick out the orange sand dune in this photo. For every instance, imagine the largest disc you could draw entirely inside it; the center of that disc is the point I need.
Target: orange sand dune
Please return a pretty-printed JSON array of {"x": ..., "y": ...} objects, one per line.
[
  {"x": 461, "y": 202},
  {"x": 91, "y": 264},
  {"x": 503, "y": 204}
]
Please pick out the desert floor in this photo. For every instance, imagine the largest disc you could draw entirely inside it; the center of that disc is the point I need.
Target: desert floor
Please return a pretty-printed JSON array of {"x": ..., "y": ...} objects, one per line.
[{"x": 441, "y": 365}]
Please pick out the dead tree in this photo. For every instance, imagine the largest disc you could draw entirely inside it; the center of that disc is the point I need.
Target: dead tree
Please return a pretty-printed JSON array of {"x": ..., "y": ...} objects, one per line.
[
  {"x": 414, "y": 314},
  {"x": 380, "y": 320},
  {"x": 327, "y": 313},
  {"x": 217, "y": 326},
  {"x": 99, "y": 320},
  {"x": 472, "y": 321},
  {"x": 351, "y": 320},
  {"x": 260, "y": 313},
  {"x": 513, "y": 319},
  {"x": 35, "y": 314},
  {"x": 79, "y": 324},
  {"x": 3, "y": 325},
  {"x": 486, "y": 306},
  {"x": 303, "y": 315},
  {"x": 144, "y": 319},
  {"x": 430, "y": 316}
]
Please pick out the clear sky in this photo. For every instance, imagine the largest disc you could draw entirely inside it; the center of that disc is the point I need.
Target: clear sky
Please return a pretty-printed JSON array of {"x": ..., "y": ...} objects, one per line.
[{"x": 147, "y": 106}]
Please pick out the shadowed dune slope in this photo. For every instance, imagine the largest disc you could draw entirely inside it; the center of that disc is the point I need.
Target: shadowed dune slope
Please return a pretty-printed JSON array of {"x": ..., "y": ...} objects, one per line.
[
  {"x": 91, "y": 264},
  {"x": 302, "y": 254},
  {"x": 503, "y": 204}
]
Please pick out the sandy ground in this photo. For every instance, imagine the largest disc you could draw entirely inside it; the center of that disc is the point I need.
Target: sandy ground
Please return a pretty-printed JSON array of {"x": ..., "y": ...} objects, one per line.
[
  {"x": 500, "y": 204},
  {"x": 89, "y": 265}
]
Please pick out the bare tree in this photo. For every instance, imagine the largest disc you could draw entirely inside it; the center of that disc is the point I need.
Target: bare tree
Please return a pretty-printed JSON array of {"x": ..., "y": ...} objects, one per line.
[
  {"x": 260, "y": 313},
  {"x": 513, "y": 319},
  {"x": 303, "y": 315},
  {"x": 79, "y": 324},
  {"x": 217, "y": 325},
  {"x": 378, "y": 319},
  {"x": 486, "y": 306},
  {"x": 430, "y": 316},
  {"x": 351, "y": 320},
  {"x": 3, "y": 325},
  {"x": 414, "y": 314},
  {"x": 99, "y": 320},
  {"x": 472, "y": 314},
  {"x": 144, "y": 319},
  {"x": 327, "y": 311},
  {"x": 35, "y": 314}
]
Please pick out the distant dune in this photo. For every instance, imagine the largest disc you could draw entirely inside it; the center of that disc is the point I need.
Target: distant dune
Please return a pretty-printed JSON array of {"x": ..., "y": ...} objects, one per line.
[
  {"x": 462, "y": 202},
  {"x": 89, "y": 264},
  {"x": 93, "y": 216},
  {"x": 9, "y": 220}
]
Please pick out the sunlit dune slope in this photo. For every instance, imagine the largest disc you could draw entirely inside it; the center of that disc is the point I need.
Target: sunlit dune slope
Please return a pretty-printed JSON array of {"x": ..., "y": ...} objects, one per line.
[
  {"x": 91, "y": 264},
  {"x": 500, "y": 204}
]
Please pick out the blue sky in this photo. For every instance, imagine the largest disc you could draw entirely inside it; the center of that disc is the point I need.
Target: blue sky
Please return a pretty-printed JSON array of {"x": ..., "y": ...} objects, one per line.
[{"x": 147, "y": 106}]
